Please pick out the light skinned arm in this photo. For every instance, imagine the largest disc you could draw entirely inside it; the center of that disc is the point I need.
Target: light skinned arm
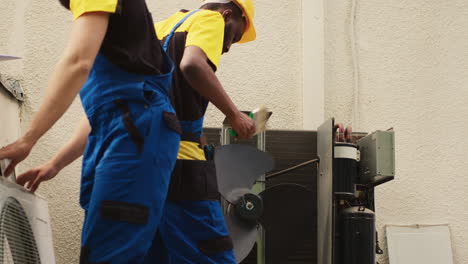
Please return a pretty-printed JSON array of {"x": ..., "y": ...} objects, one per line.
[
  {"x": 71, "y": 72},
  {"x": 197, "y": 71},
  {"x": 66, "y": 155}
]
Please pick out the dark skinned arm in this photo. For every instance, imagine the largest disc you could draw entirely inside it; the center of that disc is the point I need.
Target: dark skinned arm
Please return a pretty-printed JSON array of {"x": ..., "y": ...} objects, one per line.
[{"x": 198, "y": 72}]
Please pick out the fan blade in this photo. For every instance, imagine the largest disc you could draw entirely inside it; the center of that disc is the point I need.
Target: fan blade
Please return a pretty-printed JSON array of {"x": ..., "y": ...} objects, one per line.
[
  {"x": 287, "y": 219},
  {"x": 238, "y": 167},
  {"x": 243, "y": 234}
]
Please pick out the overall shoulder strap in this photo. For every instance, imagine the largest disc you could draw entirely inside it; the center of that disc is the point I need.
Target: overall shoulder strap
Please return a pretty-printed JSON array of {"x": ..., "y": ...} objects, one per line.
[{"x": 169, "y": 37}]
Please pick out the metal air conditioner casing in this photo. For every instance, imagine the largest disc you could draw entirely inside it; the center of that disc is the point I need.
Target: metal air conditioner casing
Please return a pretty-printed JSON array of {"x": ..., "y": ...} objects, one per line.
[{"x": 25, "y": 233}]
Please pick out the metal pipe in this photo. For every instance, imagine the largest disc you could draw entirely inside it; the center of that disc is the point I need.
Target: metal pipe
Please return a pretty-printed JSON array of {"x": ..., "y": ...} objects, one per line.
[{"x": 279, "y": 173}]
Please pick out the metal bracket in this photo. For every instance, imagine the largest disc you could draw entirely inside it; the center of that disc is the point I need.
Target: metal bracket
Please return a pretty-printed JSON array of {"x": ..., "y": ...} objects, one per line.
[
  {"x": 13, "y": 86},
  {"x": 377, "y": 164},
  {"x": 259, "y": 186},
  {"x": 325, "y": 201}
]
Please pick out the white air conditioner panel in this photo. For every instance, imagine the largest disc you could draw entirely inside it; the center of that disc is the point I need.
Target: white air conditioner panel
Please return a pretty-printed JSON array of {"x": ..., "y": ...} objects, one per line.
[{"x": 37, "y": 212}]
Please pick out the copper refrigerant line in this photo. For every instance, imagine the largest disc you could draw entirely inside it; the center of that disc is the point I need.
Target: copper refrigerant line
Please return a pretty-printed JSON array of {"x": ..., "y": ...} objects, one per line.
[
  {"x": 298, "y": 166},
  {"x": 342, "y": 135}
]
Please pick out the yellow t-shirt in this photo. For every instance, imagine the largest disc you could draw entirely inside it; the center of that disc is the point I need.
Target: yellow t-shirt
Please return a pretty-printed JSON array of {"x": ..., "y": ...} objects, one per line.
[
  {"x": 204, "y": 29},
  {"x": 80, "y": 7}
]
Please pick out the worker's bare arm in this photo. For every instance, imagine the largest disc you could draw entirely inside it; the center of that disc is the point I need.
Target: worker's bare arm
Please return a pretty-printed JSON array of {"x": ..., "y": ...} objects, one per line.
[
  {"x": 66, "y": 155},
  {"x": 70, "y": 74}
]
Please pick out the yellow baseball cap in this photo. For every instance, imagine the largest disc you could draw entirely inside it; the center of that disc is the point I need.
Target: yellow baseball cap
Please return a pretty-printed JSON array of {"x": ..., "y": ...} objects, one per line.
[{"x": 248, "y": 9}]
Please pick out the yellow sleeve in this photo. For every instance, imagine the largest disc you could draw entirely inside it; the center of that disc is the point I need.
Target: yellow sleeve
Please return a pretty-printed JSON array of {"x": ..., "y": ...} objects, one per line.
[
  {"x": 207, "y": 33},
  {"x": 80, "y": 7}
]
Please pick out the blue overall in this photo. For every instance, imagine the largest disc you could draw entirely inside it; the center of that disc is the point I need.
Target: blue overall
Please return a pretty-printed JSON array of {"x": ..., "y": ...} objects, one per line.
[
  {"x": 127, "y": 164},
  {"x": 192, "y": 231}
]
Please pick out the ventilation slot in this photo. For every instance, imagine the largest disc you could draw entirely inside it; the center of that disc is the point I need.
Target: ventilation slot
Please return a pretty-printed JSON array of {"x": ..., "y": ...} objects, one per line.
[{"x": 17, "y": 244}]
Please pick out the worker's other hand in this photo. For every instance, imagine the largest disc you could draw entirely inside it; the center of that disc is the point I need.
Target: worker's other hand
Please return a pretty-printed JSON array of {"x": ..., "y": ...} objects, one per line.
[
  {"x": 15, "y": 152},
  {"x": 33, "y": 178},
  {"x": 243, "y": 125}
]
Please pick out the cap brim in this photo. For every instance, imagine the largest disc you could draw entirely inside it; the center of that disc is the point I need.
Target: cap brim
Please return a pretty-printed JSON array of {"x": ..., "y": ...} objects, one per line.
[{"x": 250, "y": 34}]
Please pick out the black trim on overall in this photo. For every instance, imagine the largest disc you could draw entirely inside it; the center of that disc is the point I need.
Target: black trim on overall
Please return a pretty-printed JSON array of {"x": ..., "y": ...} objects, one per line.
[
  {"x": 84, "y": 257},
  {"x": 193, "y": 180},
  {"x": 172, "y": 122},
  {"x": 215, "y": 245},
  {"x": 124, "y": 212},
  {"x": 127, "y": 119},
  {"x": 192, "y": 137}
]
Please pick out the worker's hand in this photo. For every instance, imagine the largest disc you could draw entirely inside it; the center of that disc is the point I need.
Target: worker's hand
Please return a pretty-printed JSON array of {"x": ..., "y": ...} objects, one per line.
[
  {"x": 243, "y": 125},
  {"x": 33, "y": 178},
  {"x": 15, "y": 152}
]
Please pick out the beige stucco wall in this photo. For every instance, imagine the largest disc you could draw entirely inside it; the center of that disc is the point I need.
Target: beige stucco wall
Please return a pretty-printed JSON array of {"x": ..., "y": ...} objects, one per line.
[
  {"x": 267, "y": 72},
  {"x": 9, "y": 118},
  {"x": 413, "y": 61},
  {"x": 9, "y": 107}
]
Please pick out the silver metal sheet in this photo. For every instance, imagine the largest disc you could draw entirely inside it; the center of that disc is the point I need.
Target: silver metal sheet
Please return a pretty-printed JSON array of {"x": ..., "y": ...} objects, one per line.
[{"x": 325, "y": 144}]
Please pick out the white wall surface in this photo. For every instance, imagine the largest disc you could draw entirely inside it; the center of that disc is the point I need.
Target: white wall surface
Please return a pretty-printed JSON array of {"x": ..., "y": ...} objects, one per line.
[
  {"x": 413, "y": 62},
  {"x": 313, "y": 63},
  {"x": 9, "y": 118},
  {"x": 10, "y": 43},
  {"x": 266, "y": 72}
]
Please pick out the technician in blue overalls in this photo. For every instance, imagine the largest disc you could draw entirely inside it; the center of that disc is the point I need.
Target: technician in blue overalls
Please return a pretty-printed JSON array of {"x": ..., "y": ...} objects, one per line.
[
  {"x": 133, "y": 131},
  {"x": 193, "y": 227}
]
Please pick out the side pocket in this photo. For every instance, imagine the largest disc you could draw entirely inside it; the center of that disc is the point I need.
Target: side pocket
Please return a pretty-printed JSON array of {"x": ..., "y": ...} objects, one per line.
[
  {"x": 172, "y": 122},
  {"x": 132, "y": 130},
  {"x": 215, "y": 245}
]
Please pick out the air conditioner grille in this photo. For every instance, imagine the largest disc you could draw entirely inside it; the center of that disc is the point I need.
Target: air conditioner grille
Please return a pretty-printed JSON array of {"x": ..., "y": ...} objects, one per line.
[{"x": 17, "y": 243}]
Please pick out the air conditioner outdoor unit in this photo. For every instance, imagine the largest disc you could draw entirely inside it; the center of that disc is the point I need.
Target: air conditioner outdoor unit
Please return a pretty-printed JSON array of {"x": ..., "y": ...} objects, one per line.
[{"x": 25, "y": 233}]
